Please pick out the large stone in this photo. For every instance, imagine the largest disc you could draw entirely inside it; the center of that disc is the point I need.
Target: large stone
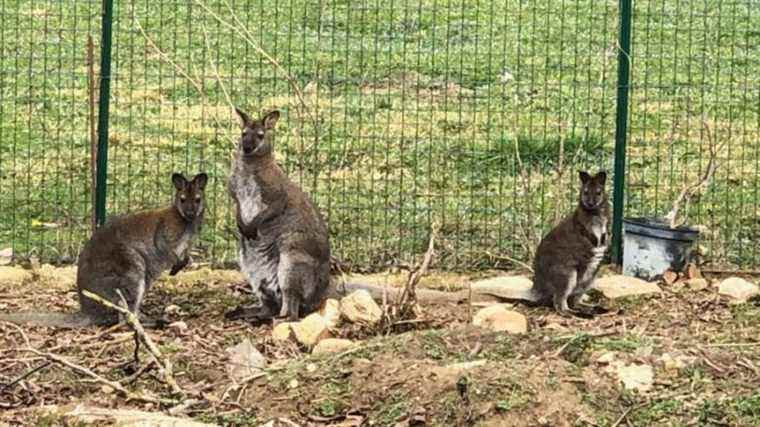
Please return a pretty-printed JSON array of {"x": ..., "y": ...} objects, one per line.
[
  {"x": 14, "y": 275},
  {"x": 697, "y": 284},
  {"x": 331, "y": 313},
  {"x": 506, "y": 287},
  {"x": 359, "y": 307},
  {"x": 497, "y": 318},
  {"x": 244, "y": 361},
  {"x": 310, "y": 330},
  {"x": 636, "y": 377},
  {"x": 90, "y": 415},
  {"x": 283, "y": 331},
  {"x": 738, "y": 289},
  {"x": 332, "y": 345},
  {"x": 619, "y": 286},
  {"x": 6, "y": 256}
]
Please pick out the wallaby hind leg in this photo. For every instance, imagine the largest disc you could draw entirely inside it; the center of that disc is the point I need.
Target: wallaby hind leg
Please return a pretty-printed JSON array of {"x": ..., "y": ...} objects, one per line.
[
  {"x": 291, "y": 304},
  {"x": 564, "y": 285},
  {"x": 296, "y": 274}
]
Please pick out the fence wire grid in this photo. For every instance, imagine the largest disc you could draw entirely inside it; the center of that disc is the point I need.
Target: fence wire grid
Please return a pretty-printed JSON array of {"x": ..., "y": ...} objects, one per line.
[{"x": 471, "y": 116}]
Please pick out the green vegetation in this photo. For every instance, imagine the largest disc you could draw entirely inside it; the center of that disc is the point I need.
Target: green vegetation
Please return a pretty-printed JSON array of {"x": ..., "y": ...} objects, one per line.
[{"x": 472, "y": 114}]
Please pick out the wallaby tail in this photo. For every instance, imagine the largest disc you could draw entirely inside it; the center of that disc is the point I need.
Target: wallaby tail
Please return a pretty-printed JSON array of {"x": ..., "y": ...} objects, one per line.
[{"x": 61, "y": 320}]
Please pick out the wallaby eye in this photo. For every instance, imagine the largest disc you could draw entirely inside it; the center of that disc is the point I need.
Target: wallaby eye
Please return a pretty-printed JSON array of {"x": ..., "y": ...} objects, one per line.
[
  {"x": 182, "y": 198},
  {"x": 260, "y": 134},
  {"x": 197, "y": 199}
]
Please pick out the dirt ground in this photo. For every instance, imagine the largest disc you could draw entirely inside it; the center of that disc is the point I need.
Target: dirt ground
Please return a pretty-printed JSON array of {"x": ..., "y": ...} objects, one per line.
[{"x": 439, "y": 370}]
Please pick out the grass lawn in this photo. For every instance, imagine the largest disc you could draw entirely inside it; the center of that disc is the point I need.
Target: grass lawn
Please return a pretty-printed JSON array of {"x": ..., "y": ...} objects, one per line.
[{"x": 473, "y": 115}]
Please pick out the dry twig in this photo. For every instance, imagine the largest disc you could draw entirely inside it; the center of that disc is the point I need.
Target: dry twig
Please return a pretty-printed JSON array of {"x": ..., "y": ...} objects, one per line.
[
  {"x": 164, "y": 365},
  {"x": 87, "y": 372},
  {"x": 691, "y": 190},
  {"x": 408, "y": 296}
]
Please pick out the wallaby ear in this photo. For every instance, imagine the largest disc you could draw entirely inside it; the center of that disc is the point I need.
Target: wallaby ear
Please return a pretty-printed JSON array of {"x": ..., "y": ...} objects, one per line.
[
  {"x": 601, "y": 177},
  {"x": 270, "y": 119},
  {"x": 200, "y": 181},
  {"x": 245, "y": 120},
  {"x": 584, "y": 176},
  {"x": 179, "y": 181}
]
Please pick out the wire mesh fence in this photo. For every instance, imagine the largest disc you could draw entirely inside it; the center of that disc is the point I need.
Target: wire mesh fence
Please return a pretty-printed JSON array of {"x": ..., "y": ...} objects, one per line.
[
  {"x": 398, "y": 115},
  {"x": 695, "y": 96}
]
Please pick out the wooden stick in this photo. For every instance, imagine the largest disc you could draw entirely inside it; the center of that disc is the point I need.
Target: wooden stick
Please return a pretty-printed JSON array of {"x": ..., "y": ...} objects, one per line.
[
  {"x": 86, "y": 372},
  {"x": 164, "y": 365},
  {"x": 409, "y": 295},
  {"x": 25, "y": 375}
]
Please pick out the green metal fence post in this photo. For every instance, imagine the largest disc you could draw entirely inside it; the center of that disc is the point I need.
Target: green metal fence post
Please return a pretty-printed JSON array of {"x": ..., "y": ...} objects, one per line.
[
  {"x": 105, "y": 95},
  {"x": 621, "y": 125}
]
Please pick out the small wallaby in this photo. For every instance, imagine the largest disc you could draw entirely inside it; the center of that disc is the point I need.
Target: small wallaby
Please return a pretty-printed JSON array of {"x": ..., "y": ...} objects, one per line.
[
  {"x": 568, "y": 257},
  {"x": 127, "y": 254},
  {"x": 284, "y": 249}
]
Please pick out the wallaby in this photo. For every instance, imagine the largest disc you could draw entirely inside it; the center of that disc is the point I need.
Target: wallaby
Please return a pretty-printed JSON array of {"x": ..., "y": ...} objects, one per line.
[
  {"x": 284, "y": 250},
  {"x": 127, "y": 254},
  {"x": 568, "y": 257}
]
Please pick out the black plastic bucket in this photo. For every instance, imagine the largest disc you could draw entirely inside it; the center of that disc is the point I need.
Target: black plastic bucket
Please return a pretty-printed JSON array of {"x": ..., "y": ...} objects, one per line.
[{"x": 651, "y": 247}]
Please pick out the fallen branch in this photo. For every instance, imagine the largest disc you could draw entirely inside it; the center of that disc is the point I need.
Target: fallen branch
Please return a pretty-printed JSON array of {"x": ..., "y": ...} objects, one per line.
[
  {"x": 87, "y": 372},
  {"x": 487, "y": 294},
  {"x": 25, "y": 375},
  {"x": 164, "y": 365},
  {"x": 510, "y": 259}
]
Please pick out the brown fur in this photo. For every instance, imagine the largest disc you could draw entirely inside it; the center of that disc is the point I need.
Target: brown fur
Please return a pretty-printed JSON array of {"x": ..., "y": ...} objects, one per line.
[
  {"x": 284, "y": 247},
  {"x": 568, "y": 257},
  {"x": 127, "y": 254}
]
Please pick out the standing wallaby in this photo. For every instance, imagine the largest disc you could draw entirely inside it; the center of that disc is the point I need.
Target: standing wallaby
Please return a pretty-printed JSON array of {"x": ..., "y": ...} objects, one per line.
[
  {"x": 127, "y": 254},
  {"x": 568, "y": 258},
  {"x": 284, "y": 249}
]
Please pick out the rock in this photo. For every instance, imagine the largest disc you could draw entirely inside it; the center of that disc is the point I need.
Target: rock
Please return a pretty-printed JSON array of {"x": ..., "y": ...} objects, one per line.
[
  {"x": 697, "y": 283},
  {"x": 618, "y": 286},
  {"x": 332, "y": 345},
  {"x": 310, "y": 330},
  {"x": 244, "y": 361},
  {"x": 636, "y": 377},
  {"x": 6, "y": 256},
  {"x": 607, "y": 358},
  {"x": 497, "y": 318},
  {"x": 738, "y": 289},
  {"x": 180, "y": 327},
  {"x": 676, "y": 362},
  {"x": 283, "y": 331},
  {"x": 507, "y": 287},
  {"x": 466, "y": 366},
  {"x": 359, "y": 307},
  {"x": 14, "y": 275},
  {"x": 89, "y": 415},
  {"x": 669, "y": 277},
  {"x": 293, "y": 384},
  {"x": 692, "y": 271},
  {"x": 172, "y": 310},
  {"x": 331, "y": 313}
]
